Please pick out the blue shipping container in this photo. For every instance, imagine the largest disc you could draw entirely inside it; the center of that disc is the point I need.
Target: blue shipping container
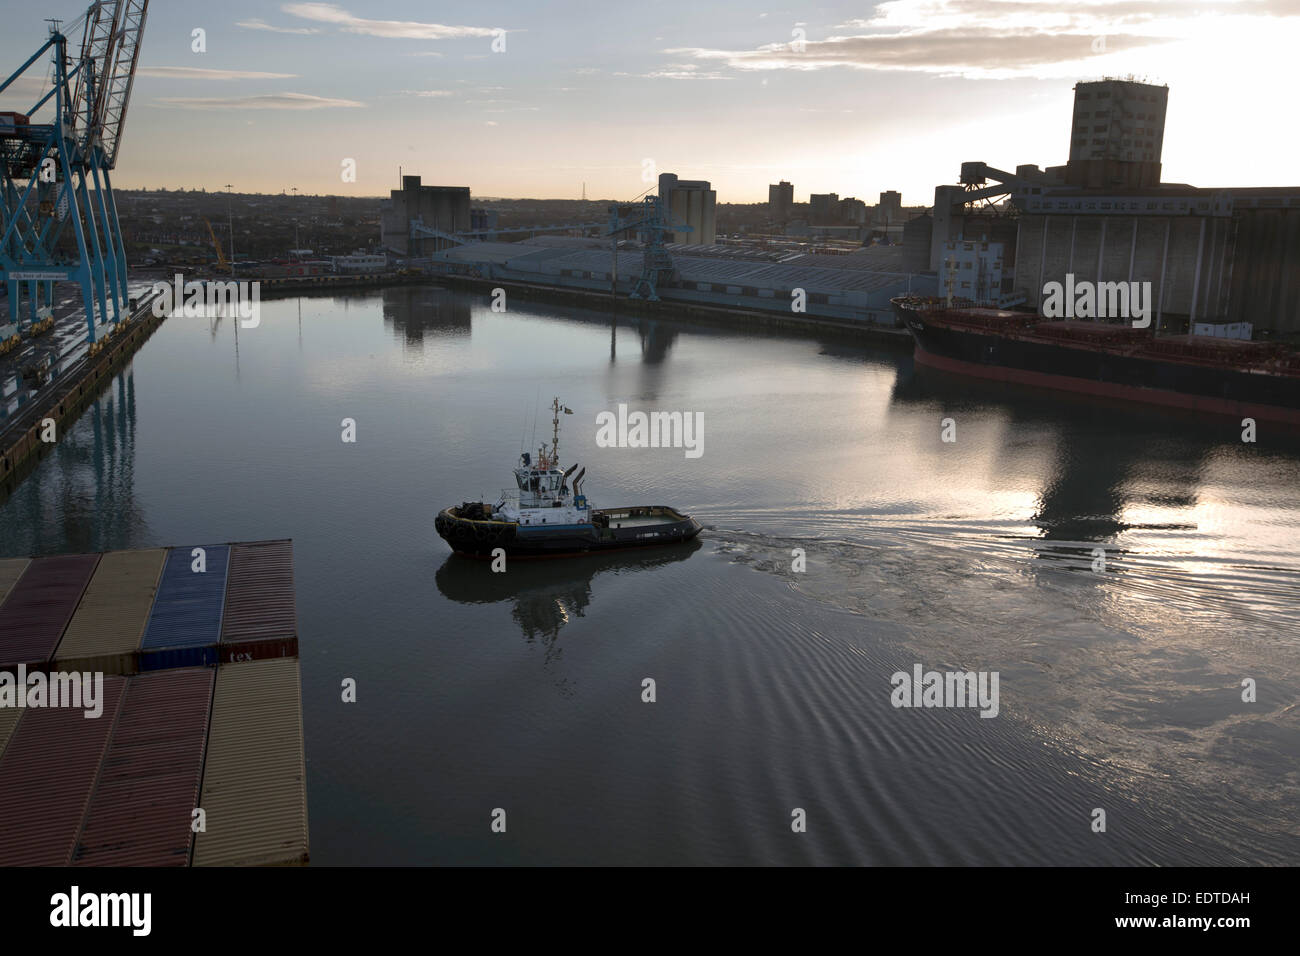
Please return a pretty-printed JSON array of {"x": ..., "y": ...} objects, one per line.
[
  {"x": 177, "y": 657},
  {"x": 187, "y": 610}
]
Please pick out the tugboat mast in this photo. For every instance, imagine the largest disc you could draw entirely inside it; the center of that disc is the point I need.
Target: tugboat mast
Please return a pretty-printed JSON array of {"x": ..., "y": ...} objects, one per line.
[{"x": 551, "y": 459}]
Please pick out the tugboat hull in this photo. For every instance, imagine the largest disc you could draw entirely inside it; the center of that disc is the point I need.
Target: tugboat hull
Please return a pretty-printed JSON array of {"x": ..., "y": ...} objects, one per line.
[{"x": 611, "y": 529}]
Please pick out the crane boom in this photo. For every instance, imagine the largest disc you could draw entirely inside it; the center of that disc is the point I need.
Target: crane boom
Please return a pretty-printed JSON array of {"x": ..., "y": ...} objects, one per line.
[
  {"x": 111, "y": 117},
  {"x": 222, "y": 264},
  {"x": 110, "y": 52}
]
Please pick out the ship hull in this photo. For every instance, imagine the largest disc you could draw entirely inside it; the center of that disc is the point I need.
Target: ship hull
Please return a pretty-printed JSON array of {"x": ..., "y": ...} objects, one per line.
[
  {"x": 640, "y": 527},
  {"x": 1205, "y": 389}
]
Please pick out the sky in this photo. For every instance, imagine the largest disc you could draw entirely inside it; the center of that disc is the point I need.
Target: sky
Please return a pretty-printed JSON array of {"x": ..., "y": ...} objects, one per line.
[{"x": 534, "y": 99}]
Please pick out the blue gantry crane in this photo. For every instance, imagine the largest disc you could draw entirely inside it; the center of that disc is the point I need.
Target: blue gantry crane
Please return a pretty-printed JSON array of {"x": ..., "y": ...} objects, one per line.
[
  {"x": 651, "y": 223},
  {"x": 55, "y": 161}
]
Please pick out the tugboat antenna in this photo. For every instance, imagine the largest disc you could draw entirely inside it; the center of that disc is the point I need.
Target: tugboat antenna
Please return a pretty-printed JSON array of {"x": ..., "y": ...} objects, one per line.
[{"x": 555, "y": 433}]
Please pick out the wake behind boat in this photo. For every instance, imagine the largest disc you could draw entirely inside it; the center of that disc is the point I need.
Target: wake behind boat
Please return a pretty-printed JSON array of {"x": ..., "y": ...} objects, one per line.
[{"x": 542, "y": 518}]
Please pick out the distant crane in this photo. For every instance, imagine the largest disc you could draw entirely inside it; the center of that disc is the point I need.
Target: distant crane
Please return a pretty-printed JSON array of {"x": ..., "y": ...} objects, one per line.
[
  {"x": 222, "y": 264},
  {"x": 56, "y": 173},
  {"x": 652, "y": 223}
]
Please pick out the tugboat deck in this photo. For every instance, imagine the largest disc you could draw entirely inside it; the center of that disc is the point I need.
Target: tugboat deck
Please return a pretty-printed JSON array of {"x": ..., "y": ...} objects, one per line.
[{"x": 639, "y": 517}]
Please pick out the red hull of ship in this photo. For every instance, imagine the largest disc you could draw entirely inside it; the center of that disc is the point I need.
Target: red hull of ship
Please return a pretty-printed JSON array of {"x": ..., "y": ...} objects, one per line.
[{"x": 1149, "y": 396}]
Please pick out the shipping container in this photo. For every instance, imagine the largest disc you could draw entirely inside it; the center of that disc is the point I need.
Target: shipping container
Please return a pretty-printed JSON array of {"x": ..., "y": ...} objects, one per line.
[
  {"x": 168, "y": 658},
  {"x": 254, "y": 778},
  {"x": 109, "y": 622},
  {"x": 39, "y": 606},
  {"x": 8, "y": 723},
  {"x": 258, "y": 650},
  {"x": 141, "y": 811},
  {"x": 47, "y": 774},
  {"x": 259, "y": 597},
  {"x": 187, "y": 611},
  {"x": 11, "y": 569}
]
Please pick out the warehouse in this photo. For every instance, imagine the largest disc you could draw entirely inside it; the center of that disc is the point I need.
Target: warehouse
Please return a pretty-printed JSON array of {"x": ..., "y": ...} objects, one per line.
[{"x": 856, "y": 286}]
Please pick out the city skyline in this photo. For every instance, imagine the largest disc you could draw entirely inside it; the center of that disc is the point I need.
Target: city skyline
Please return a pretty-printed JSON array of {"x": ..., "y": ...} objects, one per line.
[{"x": 514, "y": 101}]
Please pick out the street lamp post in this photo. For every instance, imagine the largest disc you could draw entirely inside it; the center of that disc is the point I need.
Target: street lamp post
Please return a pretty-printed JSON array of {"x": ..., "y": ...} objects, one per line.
[
  {"x": 230, "y": 220},
  {"x": 296, "y": 244}
]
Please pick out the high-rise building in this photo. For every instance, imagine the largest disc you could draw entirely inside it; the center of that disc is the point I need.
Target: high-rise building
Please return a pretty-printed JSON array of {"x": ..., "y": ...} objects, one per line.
[
  {"x": 689, "y": 201},
  {"x": 890, "y": 209},
  {"x": 853, "y": 212},
  {"x": 780, "y": 201},
  {"x": 1117, "y": 135},
  {"x": 823, "y": 209}
]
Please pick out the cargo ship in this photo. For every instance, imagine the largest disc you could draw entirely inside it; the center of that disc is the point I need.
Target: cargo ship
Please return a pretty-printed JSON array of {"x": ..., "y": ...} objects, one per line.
[
  {"x": 540, "y": 517},
  {"x": 1242, "y": 379}
]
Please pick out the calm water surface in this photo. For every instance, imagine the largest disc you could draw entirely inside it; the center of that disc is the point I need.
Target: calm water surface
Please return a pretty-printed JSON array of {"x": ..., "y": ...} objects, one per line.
[{"x": 1119, "y": 690}]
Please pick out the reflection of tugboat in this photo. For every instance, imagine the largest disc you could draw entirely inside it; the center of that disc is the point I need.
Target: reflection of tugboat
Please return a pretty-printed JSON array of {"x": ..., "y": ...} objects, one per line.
[
  {"x": 545, "y": 596},
  {"x": 542, "y": 519}
]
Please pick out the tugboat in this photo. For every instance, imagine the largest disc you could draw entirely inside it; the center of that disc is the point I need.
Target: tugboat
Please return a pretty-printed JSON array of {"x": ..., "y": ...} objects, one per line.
[{"x": 540, "y": 518}]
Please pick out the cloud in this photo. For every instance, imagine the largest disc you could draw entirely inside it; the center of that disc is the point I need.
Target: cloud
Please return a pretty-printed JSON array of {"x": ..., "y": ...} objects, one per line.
[
  {"x": 684, "y": 71},
  {"x": 679, "y": 71},
  {"x": 1081, "y": 15},
  {"x": 393, "y": 29},
  {"x": 267, "y": 101},
  {"x": 969, "y": 52},
  {"x": 256, "y": 24},
  {"x": 197, "y": 73},
  {"x": 993, "y": 38},
  {"x": 425, "y": 93}
]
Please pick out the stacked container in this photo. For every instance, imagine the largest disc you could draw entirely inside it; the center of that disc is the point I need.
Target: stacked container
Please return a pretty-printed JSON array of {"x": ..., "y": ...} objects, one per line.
[
  {"x": 254, "y": 778},
  {"x": 39, "y": 605},
  {"x": 185, "y": 625},
  {"x": 177, "y": 733},
  {"x": 143, "y": 804},
  {"x": 105, "y": 633},
  {"x": 11, "y": 569},
  {"x": 47, "y": 773},
  {"x": 260, "y": 620}
]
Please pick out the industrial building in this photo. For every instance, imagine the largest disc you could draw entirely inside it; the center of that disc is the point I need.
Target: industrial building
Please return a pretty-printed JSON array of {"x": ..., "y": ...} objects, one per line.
[
  {"x": 1212, "y": 256},
  {"x": 855, "y": 287},
  {"x": 440, "y": 208},
  {"x": 693, "y": 203},
  {"x": 1117, "y": 135}
]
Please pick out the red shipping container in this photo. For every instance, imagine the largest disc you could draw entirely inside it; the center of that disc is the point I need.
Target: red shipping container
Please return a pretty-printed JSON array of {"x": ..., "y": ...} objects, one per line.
[
  {"x": 39, "y": 606},
  {"x": 141, "y": 811},
  {"x": 47, "y": 774}
]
